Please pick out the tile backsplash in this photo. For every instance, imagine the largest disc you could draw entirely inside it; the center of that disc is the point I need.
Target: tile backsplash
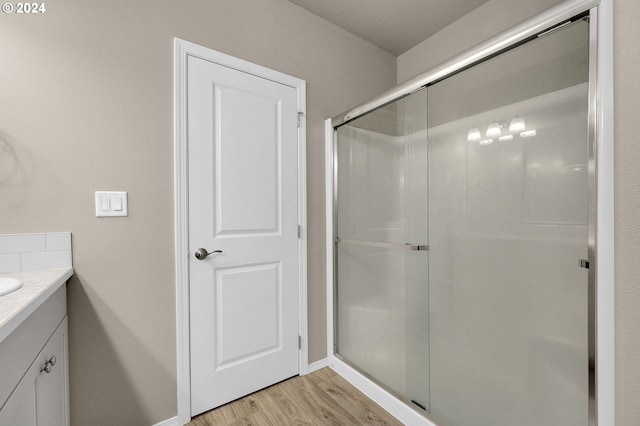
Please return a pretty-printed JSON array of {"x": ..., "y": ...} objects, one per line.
[{"x": 31, "y": 252}]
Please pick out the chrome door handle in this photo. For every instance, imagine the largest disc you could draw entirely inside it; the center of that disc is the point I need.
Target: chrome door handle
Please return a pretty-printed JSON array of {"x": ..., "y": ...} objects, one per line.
[{"x": 202, "y": 253}]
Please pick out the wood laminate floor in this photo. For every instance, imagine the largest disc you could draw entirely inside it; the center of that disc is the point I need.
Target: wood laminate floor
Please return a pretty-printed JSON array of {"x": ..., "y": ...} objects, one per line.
[{"x": 320, "y": 398}]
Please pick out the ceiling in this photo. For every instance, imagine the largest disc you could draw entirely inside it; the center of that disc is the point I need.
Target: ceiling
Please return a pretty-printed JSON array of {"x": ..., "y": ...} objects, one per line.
[{"x": 393, "y": 25}]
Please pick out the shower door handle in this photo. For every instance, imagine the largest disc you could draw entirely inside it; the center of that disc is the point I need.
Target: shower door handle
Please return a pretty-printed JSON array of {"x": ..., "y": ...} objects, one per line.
[{"x": 411, "y": 247}]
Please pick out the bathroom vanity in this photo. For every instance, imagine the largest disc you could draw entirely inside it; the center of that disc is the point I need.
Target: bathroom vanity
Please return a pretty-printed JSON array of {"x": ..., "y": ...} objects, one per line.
[{"x": 34, "y": 384}]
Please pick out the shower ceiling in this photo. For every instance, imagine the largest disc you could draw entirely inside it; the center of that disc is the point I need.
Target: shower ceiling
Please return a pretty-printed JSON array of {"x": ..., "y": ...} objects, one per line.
[{"x": 395, "y": 26}]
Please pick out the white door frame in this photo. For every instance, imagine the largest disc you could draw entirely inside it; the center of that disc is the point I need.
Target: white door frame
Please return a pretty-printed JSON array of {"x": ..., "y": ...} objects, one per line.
[{"x": 182, "y": 50}]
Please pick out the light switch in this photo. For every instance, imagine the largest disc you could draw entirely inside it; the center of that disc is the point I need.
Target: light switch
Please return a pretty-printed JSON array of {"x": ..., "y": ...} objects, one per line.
[
  {"x": 117, "y": 204},
  {"x": 104, "y": 203},
  {"x": 111, "y": 203}
]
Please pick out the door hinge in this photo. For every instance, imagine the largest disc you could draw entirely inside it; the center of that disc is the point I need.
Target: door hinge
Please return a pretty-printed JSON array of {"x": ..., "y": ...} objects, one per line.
[
  {"x": 584, "y": 263},
  {"x": 299, "y": 342},
  {"x": 300, "y": 114},
  {"x": 299, "y": 231}
]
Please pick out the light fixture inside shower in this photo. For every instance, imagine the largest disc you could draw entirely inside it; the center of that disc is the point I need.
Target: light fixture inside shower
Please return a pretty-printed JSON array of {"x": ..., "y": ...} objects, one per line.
[
  {"x": 497, "y": 129},
  {"x": 494, "y": 130},
  {"x": 474, "y": 135},
  {"x": 516, "y": 125}
]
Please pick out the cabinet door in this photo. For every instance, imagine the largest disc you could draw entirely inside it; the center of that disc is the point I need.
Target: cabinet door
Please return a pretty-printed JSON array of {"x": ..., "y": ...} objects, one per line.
[
  {"x": 52, "y": 396},
  {"x": 42, "y": 396},
  {"x": 20, "y": 408}
]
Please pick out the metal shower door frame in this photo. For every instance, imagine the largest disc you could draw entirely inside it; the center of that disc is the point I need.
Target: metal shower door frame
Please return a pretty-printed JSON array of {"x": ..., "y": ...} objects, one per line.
[{"x": 600, "y": 181}]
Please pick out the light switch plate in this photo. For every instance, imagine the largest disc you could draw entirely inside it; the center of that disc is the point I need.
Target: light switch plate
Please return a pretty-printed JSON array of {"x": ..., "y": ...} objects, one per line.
[{"x": 111, "y": 203}]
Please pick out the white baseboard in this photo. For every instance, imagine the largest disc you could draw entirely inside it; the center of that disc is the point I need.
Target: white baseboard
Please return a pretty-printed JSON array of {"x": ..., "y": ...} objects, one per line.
[
  {"x": 315, "y": 366},
  {"x": 173, "y": 421},
  {"x": 390, "y": 403}
]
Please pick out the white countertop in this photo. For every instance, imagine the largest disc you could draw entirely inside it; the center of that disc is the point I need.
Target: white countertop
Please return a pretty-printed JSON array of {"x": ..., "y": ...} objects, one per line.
[{"x": 37, "y": 286}]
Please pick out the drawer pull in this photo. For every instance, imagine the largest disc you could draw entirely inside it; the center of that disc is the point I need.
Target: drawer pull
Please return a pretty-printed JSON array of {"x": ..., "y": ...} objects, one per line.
[{"x": 49, "y": 365}]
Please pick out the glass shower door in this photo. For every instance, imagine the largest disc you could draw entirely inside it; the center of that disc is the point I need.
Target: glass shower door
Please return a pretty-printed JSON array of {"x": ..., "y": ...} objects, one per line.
[
  {"x": 461, "y": 240},
  {"x": 381, "y": 247},
  {"x": 508, "y": 200}
]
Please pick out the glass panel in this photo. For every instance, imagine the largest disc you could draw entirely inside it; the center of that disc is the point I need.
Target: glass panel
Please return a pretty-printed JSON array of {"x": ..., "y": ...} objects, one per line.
[
  {"x": 370, "y": 167},
  {"x": 382, "y": 291},
  {"x": 488, "y": 168},
  {"x": 371, "y": 312},
  {"x": 508, "y": 220},
  {"x": 416, "y": 277}
]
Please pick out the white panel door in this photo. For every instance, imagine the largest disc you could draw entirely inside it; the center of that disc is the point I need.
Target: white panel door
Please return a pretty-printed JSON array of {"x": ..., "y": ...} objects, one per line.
[{"x": 243, "y": 201}]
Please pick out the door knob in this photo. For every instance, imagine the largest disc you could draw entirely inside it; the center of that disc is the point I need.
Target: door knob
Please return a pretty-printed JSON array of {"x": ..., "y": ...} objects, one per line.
[{"x": 202, "y": 253}]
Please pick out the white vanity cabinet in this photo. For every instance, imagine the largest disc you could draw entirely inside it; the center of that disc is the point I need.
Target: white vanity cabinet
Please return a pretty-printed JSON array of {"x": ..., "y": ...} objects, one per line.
[{"x": 34, "y": 390}]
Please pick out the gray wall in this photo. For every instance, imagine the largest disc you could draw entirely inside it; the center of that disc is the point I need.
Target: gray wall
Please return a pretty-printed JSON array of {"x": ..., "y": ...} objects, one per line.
[
  {"x": 627, "y": 210},
  {"x": 484, "y": 22},
  {"x": 86, "y": 103},
  {"x": 497, "y": 15}
]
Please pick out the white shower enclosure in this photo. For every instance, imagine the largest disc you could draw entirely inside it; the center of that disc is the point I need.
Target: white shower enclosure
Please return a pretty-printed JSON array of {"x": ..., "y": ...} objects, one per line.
[{"x": 462, "y": 238}]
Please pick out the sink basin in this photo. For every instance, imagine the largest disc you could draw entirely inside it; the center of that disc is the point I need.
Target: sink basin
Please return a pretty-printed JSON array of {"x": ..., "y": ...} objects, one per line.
[{"x": 7, "y": 285}]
